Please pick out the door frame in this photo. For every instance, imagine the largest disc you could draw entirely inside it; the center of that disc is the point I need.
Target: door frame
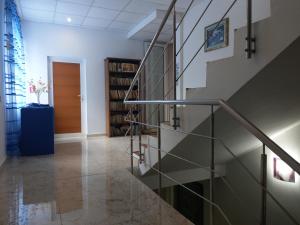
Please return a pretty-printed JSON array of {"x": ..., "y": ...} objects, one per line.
[{"x": 82, "y": 62}]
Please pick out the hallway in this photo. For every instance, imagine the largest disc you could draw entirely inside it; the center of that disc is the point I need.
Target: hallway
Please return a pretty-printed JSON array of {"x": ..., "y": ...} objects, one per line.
[{"x": 84, "y": 183}]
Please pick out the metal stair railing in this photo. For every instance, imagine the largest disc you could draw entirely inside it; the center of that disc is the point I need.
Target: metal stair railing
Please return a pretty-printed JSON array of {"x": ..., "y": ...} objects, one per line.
[
  {"x": 263, "y": 138},
  {"x": 175, "y": 52},
  {"x": 175, "y": 181},
  {"x": 238, "y": 117},
  {"x": 163, "y": 75},
  {"x": 227, "y": 183}
]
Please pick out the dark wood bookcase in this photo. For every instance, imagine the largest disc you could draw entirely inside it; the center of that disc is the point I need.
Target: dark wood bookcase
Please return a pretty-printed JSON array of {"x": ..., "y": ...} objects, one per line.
[{"x": 119, "y": 74}]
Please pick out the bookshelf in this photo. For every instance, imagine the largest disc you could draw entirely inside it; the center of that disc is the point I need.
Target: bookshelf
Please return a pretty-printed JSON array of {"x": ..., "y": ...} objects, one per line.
[{"x": 119, "y": 74}]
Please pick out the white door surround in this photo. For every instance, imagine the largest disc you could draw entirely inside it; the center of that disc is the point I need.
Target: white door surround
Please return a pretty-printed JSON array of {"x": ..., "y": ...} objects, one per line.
[{"x": 82, "y": 63}]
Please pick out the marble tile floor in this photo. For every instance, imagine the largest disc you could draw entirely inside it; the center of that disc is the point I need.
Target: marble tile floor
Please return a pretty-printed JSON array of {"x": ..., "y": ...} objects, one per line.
[{"x": 85, "y": 183}]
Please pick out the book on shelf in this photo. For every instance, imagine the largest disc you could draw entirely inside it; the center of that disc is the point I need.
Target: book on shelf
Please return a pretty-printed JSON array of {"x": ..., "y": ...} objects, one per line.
[
  {"x": 119, "y": 131},
  {"x": 120, "y": 94},
  {"x": 119, "y": 76},
  {"x": 120, "y": 81},
  {"x": 120, "y": 106},
  {"x": 117, "y": 119},
  {"x": 123, "y": 67}
]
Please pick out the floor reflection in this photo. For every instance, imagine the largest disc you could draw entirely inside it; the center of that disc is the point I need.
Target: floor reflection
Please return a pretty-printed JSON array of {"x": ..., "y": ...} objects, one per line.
[{"x": 84, "y": 183}]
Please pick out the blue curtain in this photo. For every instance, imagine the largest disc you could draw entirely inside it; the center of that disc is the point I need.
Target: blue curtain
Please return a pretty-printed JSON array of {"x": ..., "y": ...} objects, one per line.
[{"x": 14, "y": 70}]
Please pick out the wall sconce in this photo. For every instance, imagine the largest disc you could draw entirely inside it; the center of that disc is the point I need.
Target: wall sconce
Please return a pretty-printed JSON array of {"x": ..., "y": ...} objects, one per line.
[{"x": 283, "y": 172}]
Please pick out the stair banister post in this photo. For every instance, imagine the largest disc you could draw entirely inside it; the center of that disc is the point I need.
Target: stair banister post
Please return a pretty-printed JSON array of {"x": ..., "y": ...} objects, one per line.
[
  {"x": 139, "y": 125},
  {"x": 251, "y": 41},
  {"x": 175, "y": 118},
  {"x": 141, "y": 154},
  {"x": 212, "y": 164},
  {"x": 159, "y": 149},
  {"x": 264, "y": 159},
  {"x": 131, "y": 140}
]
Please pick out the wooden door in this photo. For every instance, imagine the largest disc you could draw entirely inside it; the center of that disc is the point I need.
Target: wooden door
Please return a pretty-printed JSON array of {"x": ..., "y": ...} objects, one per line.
[{"x": 67, "y": 99}]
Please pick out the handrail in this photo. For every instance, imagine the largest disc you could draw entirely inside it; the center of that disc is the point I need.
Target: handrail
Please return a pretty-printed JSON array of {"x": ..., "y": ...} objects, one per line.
[
  {"x": 262, "y": 137},
  {"x": 173, "y": 102},
  {"x": 152, "y": 44},
  {"x": 247, "y": 170},
  {"x": 295, "y": 165}
]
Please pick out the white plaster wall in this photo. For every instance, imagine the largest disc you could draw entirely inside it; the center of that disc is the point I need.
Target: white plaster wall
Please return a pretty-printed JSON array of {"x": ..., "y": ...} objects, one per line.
[
  {"x": 195, "y": 76},
  {"x": 288, "y": 194},
  {"x": 226, "y": 76},
  {"x": 2, "y": 124},
  {"x": 91, "y": 46}
]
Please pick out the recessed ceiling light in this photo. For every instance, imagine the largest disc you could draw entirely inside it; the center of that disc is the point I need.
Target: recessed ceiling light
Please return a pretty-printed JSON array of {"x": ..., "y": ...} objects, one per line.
[{"x": 69, "y": 19}]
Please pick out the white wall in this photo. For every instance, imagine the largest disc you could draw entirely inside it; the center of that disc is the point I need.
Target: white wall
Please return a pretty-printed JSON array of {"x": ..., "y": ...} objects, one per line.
[
  {"x": 195, "y": 76},
  {"x": 2, "y": 124},
  {"x": 91, "y": 46},
  {"x": 288, "y": 194},
  {"x": 226, "y": 76}
]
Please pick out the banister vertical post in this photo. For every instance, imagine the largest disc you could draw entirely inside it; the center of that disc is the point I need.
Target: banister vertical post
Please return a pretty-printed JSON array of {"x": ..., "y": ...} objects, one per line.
[
  {"x": 140, "y": 143},
  {"x": 250, "y": 39},
  {"x": 212, "y": 163},
  {"x": 264, "y": 159},
  {"x": 131, "y": 140},
  {"x": 159, "y": 150},
  {"x": 175, "y": 118},
  {"x": 140, "y": 120}
]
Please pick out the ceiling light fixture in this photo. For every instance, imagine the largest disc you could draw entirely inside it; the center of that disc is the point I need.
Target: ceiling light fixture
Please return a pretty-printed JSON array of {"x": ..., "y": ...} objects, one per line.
[{"x": 69, "y": 19}]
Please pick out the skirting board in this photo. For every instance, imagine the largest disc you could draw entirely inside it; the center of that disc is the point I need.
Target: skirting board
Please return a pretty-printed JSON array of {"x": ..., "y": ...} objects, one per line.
[
  {"x": 95, "y": 135},
  {"x": 68, "y": 137},
  {"x": 75, "y": 137}
]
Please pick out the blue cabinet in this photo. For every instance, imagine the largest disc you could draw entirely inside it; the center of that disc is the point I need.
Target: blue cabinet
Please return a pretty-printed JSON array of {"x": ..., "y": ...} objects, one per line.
[{"x": 37, "y": 130}]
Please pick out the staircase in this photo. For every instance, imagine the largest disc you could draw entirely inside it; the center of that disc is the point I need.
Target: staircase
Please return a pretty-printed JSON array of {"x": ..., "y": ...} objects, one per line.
[
  {"x": 219, "y": 146},
  {"x": 231, "y": 68}
]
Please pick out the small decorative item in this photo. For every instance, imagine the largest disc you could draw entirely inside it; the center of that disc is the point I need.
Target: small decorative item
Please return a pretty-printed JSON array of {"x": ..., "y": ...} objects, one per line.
[
  {"x": 283, "y": 172},
  {"x": 38, "y": 88},
  {"x": 217, "y": 37}
]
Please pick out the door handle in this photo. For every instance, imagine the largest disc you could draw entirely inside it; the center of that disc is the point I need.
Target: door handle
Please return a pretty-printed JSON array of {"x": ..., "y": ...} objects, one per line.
[{"x": 81, "y": 98}]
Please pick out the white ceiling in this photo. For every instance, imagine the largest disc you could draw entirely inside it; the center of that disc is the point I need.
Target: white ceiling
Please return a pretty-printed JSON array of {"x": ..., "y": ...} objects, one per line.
[
  {"x": 146, "y": 28},
  {"x": 120, "y": 15}
]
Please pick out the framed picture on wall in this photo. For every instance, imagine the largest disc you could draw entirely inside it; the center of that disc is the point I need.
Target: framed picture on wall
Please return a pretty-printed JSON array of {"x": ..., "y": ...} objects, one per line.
[
  {"x": 283, "y": 172},
  {"x": 217, "y": 37}
]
